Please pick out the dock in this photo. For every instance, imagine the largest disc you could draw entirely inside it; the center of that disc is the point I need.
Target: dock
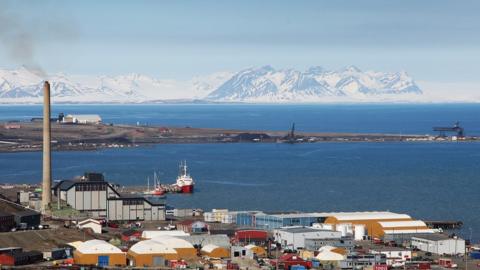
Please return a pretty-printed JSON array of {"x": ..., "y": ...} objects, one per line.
[{"x": 444, "y": 224}]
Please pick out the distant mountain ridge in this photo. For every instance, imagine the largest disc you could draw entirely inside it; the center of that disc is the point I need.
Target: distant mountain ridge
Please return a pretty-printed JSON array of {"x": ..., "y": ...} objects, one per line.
[
  {"x": 266, "y": 84},
  {"x": 263, "y": 84}
]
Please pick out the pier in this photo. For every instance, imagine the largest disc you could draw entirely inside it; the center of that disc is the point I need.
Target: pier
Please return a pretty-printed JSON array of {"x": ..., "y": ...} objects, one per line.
[{"x": 444, "y": 224}]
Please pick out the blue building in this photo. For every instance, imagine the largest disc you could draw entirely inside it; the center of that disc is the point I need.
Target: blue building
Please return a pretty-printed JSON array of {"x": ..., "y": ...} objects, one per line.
[
  {"x": 246, "y": 218},
  {"x": 275, "y": 221}
]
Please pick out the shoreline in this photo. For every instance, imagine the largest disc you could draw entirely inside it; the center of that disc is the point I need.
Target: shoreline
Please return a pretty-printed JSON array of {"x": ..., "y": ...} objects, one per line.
[{"x": 27, "y": 136}]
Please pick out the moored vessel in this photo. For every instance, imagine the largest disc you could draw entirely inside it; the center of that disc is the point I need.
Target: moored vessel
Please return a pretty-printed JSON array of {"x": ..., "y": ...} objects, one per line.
[
  {"x": 158, "y": 190},
  {"x": 184, "y": 180}
]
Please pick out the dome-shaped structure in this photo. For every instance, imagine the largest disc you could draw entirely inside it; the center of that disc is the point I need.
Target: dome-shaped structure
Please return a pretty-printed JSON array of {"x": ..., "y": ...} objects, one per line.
[
  {"x": 184, "y": 249},
  {"x": 214, "y": 251},
  {"x": 329, "y": 254},
  {"x": 150, "y": 246},
  {"x": 150, "y": 253},
  {"x": 259, "y": 251},
  {"x": 97, "y": 246},
  {"x": 99, "y": 252}
]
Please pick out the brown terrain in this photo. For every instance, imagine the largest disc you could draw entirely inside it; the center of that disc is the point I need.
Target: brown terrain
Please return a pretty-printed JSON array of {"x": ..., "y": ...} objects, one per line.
[{"x": 27, "y": 136}]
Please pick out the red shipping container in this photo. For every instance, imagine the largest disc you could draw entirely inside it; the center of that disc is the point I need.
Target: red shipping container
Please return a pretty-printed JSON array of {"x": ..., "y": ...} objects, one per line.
[{"x": 6, "y": 259}]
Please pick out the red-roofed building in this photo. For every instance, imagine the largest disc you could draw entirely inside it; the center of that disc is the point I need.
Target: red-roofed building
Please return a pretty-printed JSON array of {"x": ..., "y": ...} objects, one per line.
[
  {"x": 289, "y": 259},
  {"x": 258, "y": 237}
]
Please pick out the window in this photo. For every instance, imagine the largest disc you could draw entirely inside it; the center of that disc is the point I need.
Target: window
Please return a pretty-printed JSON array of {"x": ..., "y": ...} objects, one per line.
[
  {"x": 90, "y": 187},
  {"x": 132, "y": 202}
]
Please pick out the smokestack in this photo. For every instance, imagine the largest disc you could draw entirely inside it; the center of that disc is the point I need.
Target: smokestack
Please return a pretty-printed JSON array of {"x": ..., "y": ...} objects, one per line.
[{"x": 47, "y": 167}]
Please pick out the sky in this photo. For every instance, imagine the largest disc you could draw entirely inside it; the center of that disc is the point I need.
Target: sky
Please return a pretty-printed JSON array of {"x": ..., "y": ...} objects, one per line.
[{"x": 434, "y": 41}]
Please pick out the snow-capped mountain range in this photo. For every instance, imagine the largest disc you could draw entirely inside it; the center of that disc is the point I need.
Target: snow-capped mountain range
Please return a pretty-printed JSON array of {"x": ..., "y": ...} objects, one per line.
[
  {"x": 266, "y": 84},
  {"x": 255, "y": 85}
]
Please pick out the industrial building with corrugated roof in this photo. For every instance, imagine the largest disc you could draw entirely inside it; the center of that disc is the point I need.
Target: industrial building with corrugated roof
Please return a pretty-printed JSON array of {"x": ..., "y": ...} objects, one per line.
[
  {"x": 294, "y": 237},
  {"x": 99, "y": 252},
  {"x": 378, "y": 224},
  {"x": 401, "y": 227},
  {"x": 278, "y": 220},
  {"x": 439, "y": 244},
  {"x": 353, "y": 217},
  {"x": 150, "y": 253},
  {"x": 21, "y": 215},
  {"x": 214, "y": 251},
  {"x": 100, "y": 199}
]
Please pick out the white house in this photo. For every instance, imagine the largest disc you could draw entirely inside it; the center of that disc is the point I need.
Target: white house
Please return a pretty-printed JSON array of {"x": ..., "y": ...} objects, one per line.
[
  {"x": 93, "y": 224},
  {"x": 396, "y": 256},
  {"x": 439, "y": 244}
]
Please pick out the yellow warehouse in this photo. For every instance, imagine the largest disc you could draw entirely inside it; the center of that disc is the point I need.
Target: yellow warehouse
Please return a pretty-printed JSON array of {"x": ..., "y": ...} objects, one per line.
[
  {"x": 99, "y": 252},
  {"x": 150, "y": 253},
  {"x": 184, "y": 249}
]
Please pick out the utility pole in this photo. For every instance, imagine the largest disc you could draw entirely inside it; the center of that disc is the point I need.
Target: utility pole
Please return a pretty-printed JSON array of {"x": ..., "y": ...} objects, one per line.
[{"x": 466, "y": 258}]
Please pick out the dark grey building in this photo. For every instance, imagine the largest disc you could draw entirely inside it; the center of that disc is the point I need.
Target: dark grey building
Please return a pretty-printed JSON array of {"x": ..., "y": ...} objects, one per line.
[
  {"x": 7, "y": 222},
  {"x": 29, "y": 217},
  {"x": 21, "y": 215},
  {"x": 94, "y": 195}
]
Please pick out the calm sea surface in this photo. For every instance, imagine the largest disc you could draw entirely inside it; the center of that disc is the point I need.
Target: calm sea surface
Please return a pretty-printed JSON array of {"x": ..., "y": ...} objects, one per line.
[{"x": 425, "y": 180}]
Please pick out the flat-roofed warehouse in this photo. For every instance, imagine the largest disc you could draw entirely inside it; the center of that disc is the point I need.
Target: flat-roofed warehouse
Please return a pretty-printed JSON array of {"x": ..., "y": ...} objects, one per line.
[
  {"x": 439, "y": 244},
  {"x": 82, "y": 119},
  {"x": 294, "y": 237},
  {"x": 150, "y": 253},
  {"x": 92, "y": 194}
]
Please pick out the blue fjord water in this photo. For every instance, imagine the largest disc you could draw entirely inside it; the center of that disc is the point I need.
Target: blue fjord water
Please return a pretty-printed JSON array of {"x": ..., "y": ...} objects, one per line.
[{"x": 426, "y": 180}]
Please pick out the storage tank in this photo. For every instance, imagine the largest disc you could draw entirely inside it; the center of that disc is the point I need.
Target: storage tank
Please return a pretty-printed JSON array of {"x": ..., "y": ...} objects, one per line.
[
  {"x": 359, "y": 231},
  {"x": 343, "y": 228},
  {"x": 349, "y": 229}
]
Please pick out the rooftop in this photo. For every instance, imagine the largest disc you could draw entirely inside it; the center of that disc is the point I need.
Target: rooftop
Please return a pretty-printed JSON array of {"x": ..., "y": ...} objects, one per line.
[
  {"x": 301, "y": 230},
  {"x": 416, "y": 231},
  {"x": 152, "y": 247},
  {"x": 433, "y": 237},
  {"x": 388, "y": 248},
  {"x": 341, "y": 215},
  {"x": 16, "y": 209},
  {"x": 403, "y": 223},
  {"x": 345, "y": 216},
  {"x": 97, "y": 247}
]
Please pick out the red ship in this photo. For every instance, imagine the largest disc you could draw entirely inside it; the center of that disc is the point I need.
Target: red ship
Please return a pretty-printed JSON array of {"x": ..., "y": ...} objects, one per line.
[
  {"x": 158, "y": 190},
  {"x": 184, "y": 180}
]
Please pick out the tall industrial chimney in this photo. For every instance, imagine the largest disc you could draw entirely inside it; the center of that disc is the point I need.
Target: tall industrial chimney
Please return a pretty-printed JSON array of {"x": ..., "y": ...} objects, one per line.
[{"x": 47, "y": 166}]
